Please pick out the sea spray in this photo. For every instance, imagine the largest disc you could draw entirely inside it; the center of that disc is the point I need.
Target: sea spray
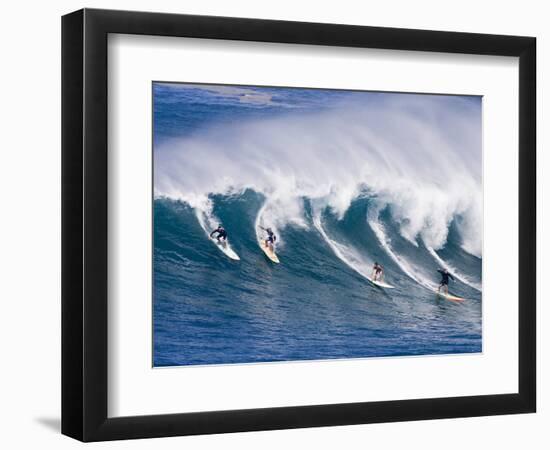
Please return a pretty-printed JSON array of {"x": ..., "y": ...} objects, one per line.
[
  {"x": 346, "y": 253},
  {"x": 419, "y": 156},
  {"x": 454, "y": 271}
]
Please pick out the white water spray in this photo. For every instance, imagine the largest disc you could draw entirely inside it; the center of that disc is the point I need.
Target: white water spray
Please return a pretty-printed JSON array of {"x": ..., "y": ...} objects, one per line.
[
  {"x": 463, "y": 278},
  {"x": 346, "y": 254},
  {"x": 408, "y": 269},
  {"x": 208, "y": 222},
  {"x": 419, "y": 155}
]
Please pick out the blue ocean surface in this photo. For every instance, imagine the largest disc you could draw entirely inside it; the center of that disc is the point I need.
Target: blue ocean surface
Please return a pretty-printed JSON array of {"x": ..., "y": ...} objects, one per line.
[{"x": 344, "y": 179}]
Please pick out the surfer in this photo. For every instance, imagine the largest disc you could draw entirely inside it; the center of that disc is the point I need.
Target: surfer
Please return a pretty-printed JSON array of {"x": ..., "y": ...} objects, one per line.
[
  {"x": 444, "y": 281},
  {"x": 271, "y": 238},
  {"x": 222, "y": 234},
  {"x": 377, "y": 272}
]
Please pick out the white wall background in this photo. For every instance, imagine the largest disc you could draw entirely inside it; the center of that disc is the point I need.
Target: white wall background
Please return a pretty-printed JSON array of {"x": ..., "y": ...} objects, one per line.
[{"x": 30, "y": 225}]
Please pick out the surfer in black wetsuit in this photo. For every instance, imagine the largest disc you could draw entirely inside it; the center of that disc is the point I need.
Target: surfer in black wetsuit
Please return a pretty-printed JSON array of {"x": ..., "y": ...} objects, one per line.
[
  {"x": 271, "y": 238},
  {"x": 444, "y": 280},
  {"x": 222, "y": 234},
  {"x": 377, "y": 272}
]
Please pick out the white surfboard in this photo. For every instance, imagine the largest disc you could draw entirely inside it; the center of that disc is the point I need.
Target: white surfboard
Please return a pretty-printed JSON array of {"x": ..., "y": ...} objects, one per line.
[
  {"x": 380, "y": 283},
  {"x": 226, "y": 249},
  {"x": 268, "y": 252},
  {"x": 450, "y": 297}
]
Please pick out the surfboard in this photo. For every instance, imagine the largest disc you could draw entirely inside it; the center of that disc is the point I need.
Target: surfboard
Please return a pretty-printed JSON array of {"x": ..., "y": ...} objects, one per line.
[
  {"x": 268, "y": 252},
  {"x": 226, "y": 249},
  {"x": 380, "y": 284},
  {"x": 450, "y": 297}
]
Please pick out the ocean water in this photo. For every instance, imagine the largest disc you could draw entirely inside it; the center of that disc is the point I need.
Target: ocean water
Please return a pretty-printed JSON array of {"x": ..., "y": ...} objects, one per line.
[{"x": 345, "y": 179}]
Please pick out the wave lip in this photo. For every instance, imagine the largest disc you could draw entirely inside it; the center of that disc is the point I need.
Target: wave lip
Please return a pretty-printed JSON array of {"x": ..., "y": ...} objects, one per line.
[
  {"x": 413, "y": 265},
  {"x": 453, "y": 270}
]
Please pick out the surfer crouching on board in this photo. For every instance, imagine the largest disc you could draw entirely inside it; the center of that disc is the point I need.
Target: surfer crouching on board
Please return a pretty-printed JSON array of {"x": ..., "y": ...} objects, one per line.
[
  {"x": 377, "y": 272},
  {"x": 271, "y": 238},
  {"x": 222, "y": 234},
  {"x": 444, "y": 281}
]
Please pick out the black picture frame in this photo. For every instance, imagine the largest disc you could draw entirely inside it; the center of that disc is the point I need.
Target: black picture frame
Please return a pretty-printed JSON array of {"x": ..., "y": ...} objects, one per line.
[{"x": 84, "y": 224}]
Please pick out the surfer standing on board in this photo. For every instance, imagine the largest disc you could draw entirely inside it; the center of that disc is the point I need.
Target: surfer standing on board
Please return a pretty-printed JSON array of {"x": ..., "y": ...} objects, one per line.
[
  {"x": 444, "y": 281},
  {"x": 222, "y": 234},
  {"x": 271, "y": 238},
  {"x": 377, "y": 272}
]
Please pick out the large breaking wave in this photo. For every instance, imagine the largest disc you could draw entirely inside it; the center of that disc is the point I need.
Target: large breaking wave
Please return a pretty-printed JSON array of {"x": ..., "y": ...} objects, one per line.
[{"x": 413, "y": 162}]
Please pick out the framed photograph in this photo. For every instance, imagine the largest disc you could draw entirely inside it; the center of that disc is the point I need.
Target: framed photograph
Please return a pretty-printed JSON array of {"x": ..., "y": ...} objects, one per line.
[{"x": 273, "y": 224}]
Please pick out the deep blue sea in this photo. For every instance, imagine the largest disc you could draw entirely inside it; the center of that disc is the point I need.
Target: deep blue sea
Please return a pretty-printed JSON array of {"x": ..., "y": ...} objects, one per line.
[{"x": 295, "y": 160}]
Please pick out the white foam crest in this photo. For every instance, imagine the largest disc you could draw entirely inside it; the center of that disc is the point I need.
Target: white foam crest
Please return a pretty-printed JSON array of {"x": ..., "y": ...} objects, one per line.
[
  {"x": 407, "y": 268},
  {"x": 469, "y": 226},
  {"x": 209, "y": 222},
  {"x": 461, "y": 277},
  {"x": 421, "y": 155},
  {"x": 276, "y": 215},
  {"x": 353, "y": 259}
]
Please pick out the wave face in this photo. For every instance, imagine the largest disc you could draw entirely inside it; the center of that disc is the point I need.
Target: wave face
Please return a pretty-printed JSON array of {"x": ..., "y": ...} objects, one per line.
[{"x": 344, "y": 179}]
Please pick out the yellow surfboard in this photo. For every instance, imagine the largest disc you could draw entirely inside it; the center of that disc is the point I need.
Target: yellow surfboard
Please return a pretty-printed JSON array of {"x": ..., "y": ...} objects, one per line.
[
  {"x": 268, "y": 252},
  {"x": 450, "y": 297}
]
